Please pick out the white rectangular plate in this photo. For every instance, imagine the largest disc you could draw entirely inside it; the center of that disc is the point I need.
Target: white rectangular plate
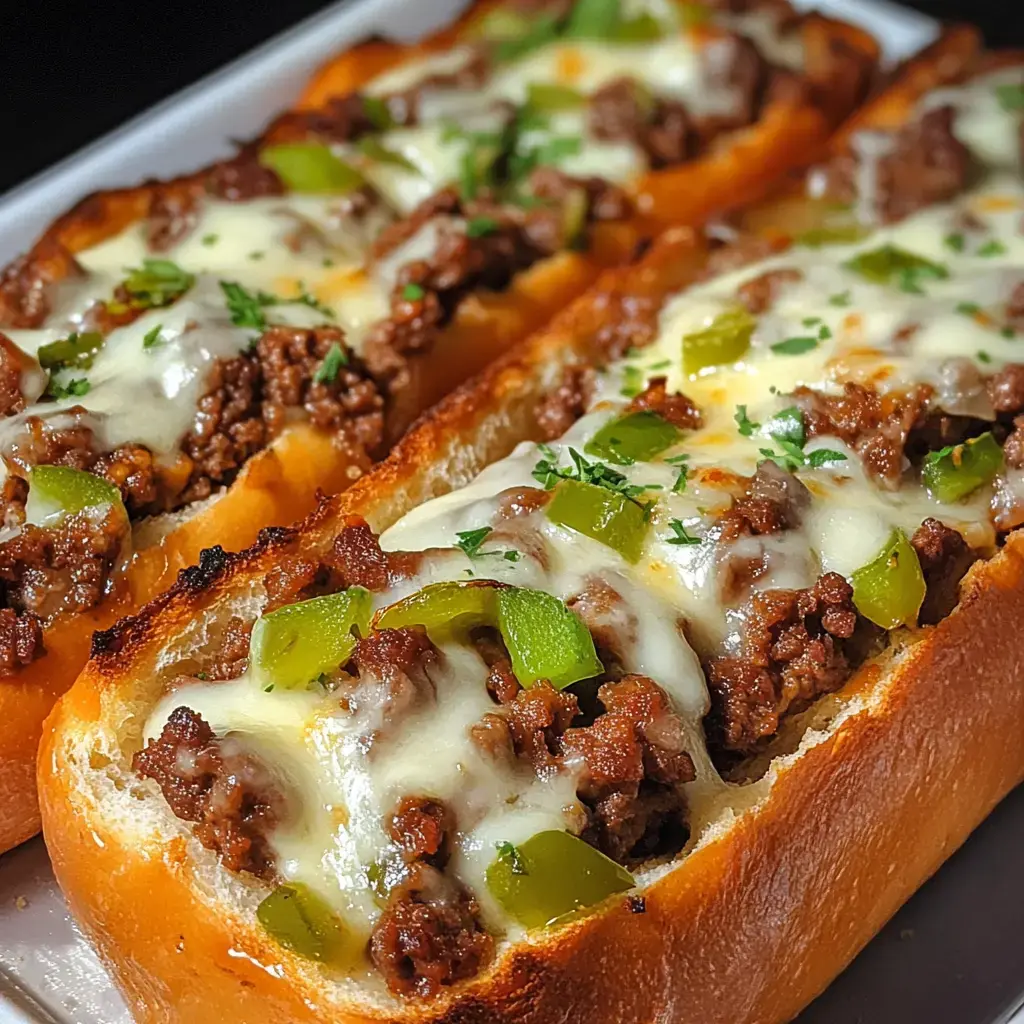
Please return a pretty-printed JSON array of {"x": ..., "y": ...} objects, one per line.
[{"x": 47, "y": 971}]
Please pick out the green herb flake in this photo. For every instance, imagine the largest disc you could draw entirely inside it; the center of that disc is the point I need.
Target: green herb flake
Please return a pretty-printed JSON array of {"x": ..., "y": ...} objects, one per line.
[
  {"x": 1011, "y": 96},
  {"x": 478, "y": 227},
  {"x": 548, "y": 473},
  {"x": 983, "y": 356},
  {"x": 680, "y": 463},
  {"x": 377, "y": 113},
  {"x": 824, "y": 457},
  {"x": 682, "y": 536},
  {"x": 73, "y": 389},
  {"x": 633, "y": 380},
  {"x": 745, "y": 425},
  {"x": 470, "y": 540},
  {"x": 794, "y": 346},
  {"x": 256, "y": 255},
  {"x": 954, "y": 242},
  {"x": 1008, "y": 332},
  {"x": 968, "y": 308},
  {"x": 413, "y": 293},
  {"x": 210, "y": 239},
  {"x": 840, "y": 299},
  {"x": 245, "y": 308},
  {"x": 992, "y": 248},
  {"x": 508, "y": 854},
  {"x": 327, "y": 372},
  {"x": 156, "y": 283},
  {"x": 152, "y": 337}
]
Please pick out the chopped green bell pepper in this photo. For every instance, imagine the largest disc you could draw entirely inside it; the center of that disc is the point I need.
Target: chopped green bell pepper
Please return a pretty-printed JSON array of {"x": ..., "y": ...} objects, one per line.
[
  {"x": 607, "y": 516},
  {"x": 58, "y": 491},
  {"x": 889, "y": 590},
  {"x": 545, "y": 640},
  {"x": 444, "y": 607},
  {"x": 76, "y": 350},
  {"x": 302, "y": 921},
  {"x": 594, "y": 19},
  {"x": 370, "y": 146},
  {"x": 635, "y": 437},
  {"x": 552, "y": 875},
  {"x": 548, "y": 97},
  {"x": 725, "y": 340},
  {"x": 888, "y": 264},
  {"x": 956, "y": 471},
  {"x": 309, "y": 167},
  {"x": 295, "y": 645}
]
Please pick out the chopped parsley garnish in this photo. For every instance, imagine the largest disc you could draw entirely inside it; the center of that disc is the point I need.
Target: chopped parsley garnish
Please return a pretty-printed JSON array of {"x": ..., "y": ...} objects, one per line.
[
  {"x": 157, "y": 283},
  {"x": 788, "y": 431},
  {"x": 470, "y": 542},
  {"x": 245, "y": 308},
  {"x": 1011, "y": 96},
  {"x": 682, "y": 536},
  {"x": 377, "y": 113},
  {"x": 680, "y": 462},
  {"x": 795, "y": 346},
  {"x": 745, "y": 425},
  {"x": 152, "y": 337},
  {"x": 210, "y": 239},
  {"x": 839, "y": 299},
  {"x": 889, "y": 264},
  {"x": 327, "y": 372},
  {"x": 508, "y": 853},
  {"x": 633, "y": 379},
  {"x": 413, "y": 293},
  {"x": 992, "y": 248},
  {"x": 373, "y": 149},
  {"x": 1008, "y": 332},
  {"x": 954, "y": 242},
  {"x": 811, "y": 321},
  {"x": 477, "y": 227},
  {"x": 548, "y": 473},
  {"x": 983, "y": 356},
  {"x": 968, "y": 308},
  {"x": 73, "y": 388},
  {"x": 256, "y": 255},
  {"x": 327, "y": 262}
]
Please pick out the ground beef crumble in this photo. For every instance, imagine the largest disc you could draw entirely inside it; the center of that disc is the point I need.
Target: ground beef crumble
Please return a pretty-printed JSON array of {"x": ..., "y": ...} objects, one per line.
[
  {"x": 558, "y": 410},
  {"x": 793, "y": 650},
  {"x": 215, "y": 783},
  {"x": 679, "y": 410},
  {"x": 945, "y": 557}
]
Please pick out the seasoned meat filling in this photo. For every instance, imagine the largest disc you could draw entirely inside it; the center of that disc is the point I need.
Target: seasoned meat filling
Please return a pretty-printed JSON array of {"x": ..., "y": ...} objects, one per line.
[{"x": 215, "y": 783}]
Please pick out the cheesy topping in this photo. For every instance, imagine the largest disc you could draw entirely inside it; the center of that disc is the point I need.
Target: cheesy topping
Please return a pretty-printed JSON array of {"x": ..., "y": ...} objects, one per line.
[{"x": 933, "y": 314}]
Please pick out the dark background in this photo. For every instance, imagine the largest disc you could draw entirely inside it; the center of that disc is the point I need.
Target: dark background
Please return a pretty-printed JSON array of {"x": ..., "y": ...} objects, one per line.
[
  {"x": 955, "y": 953},
  {"x": 69, "y": 75}
]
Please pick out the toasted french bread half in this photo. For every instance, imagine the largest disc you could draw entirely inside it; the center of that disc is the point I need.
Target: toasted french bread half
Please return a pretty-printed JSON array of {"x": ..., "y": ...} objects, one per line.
[{"x": 281, "y": 483}]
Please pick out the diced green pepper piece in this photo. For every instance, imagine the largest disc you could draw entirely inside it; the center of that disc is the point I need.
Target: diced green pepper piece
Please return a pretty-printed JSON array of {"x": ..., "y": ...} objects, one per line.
[
  {"x": 890, "y": 588},
  {"x": 644, "y": 28},
  {"x": 956, "y": 471},
  {"x": 76, "y": 350},
  {"x": 594, "y": 19},
  {"x": 724, "y": 341},
  {"x": 605, "y": 515},
  {"x": 302, "y": 921},
  {"x": 550, "y": 96},
  {"x": 545, "y": 640},
  {"x": 504, "y": 23},
  {"x": 552, "y": 875},
  {"x": 296, "y": 644},
  {"x": 309, "y": 167},
  {"x": 636, "y": 437},
  {"x": 57, "y": 491},
  {"x": 889, "y": 264},
  {"x": 835, "y": 234},
  {"x": 444, "y": 607},
  {"x": 372, "y": 147}
]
